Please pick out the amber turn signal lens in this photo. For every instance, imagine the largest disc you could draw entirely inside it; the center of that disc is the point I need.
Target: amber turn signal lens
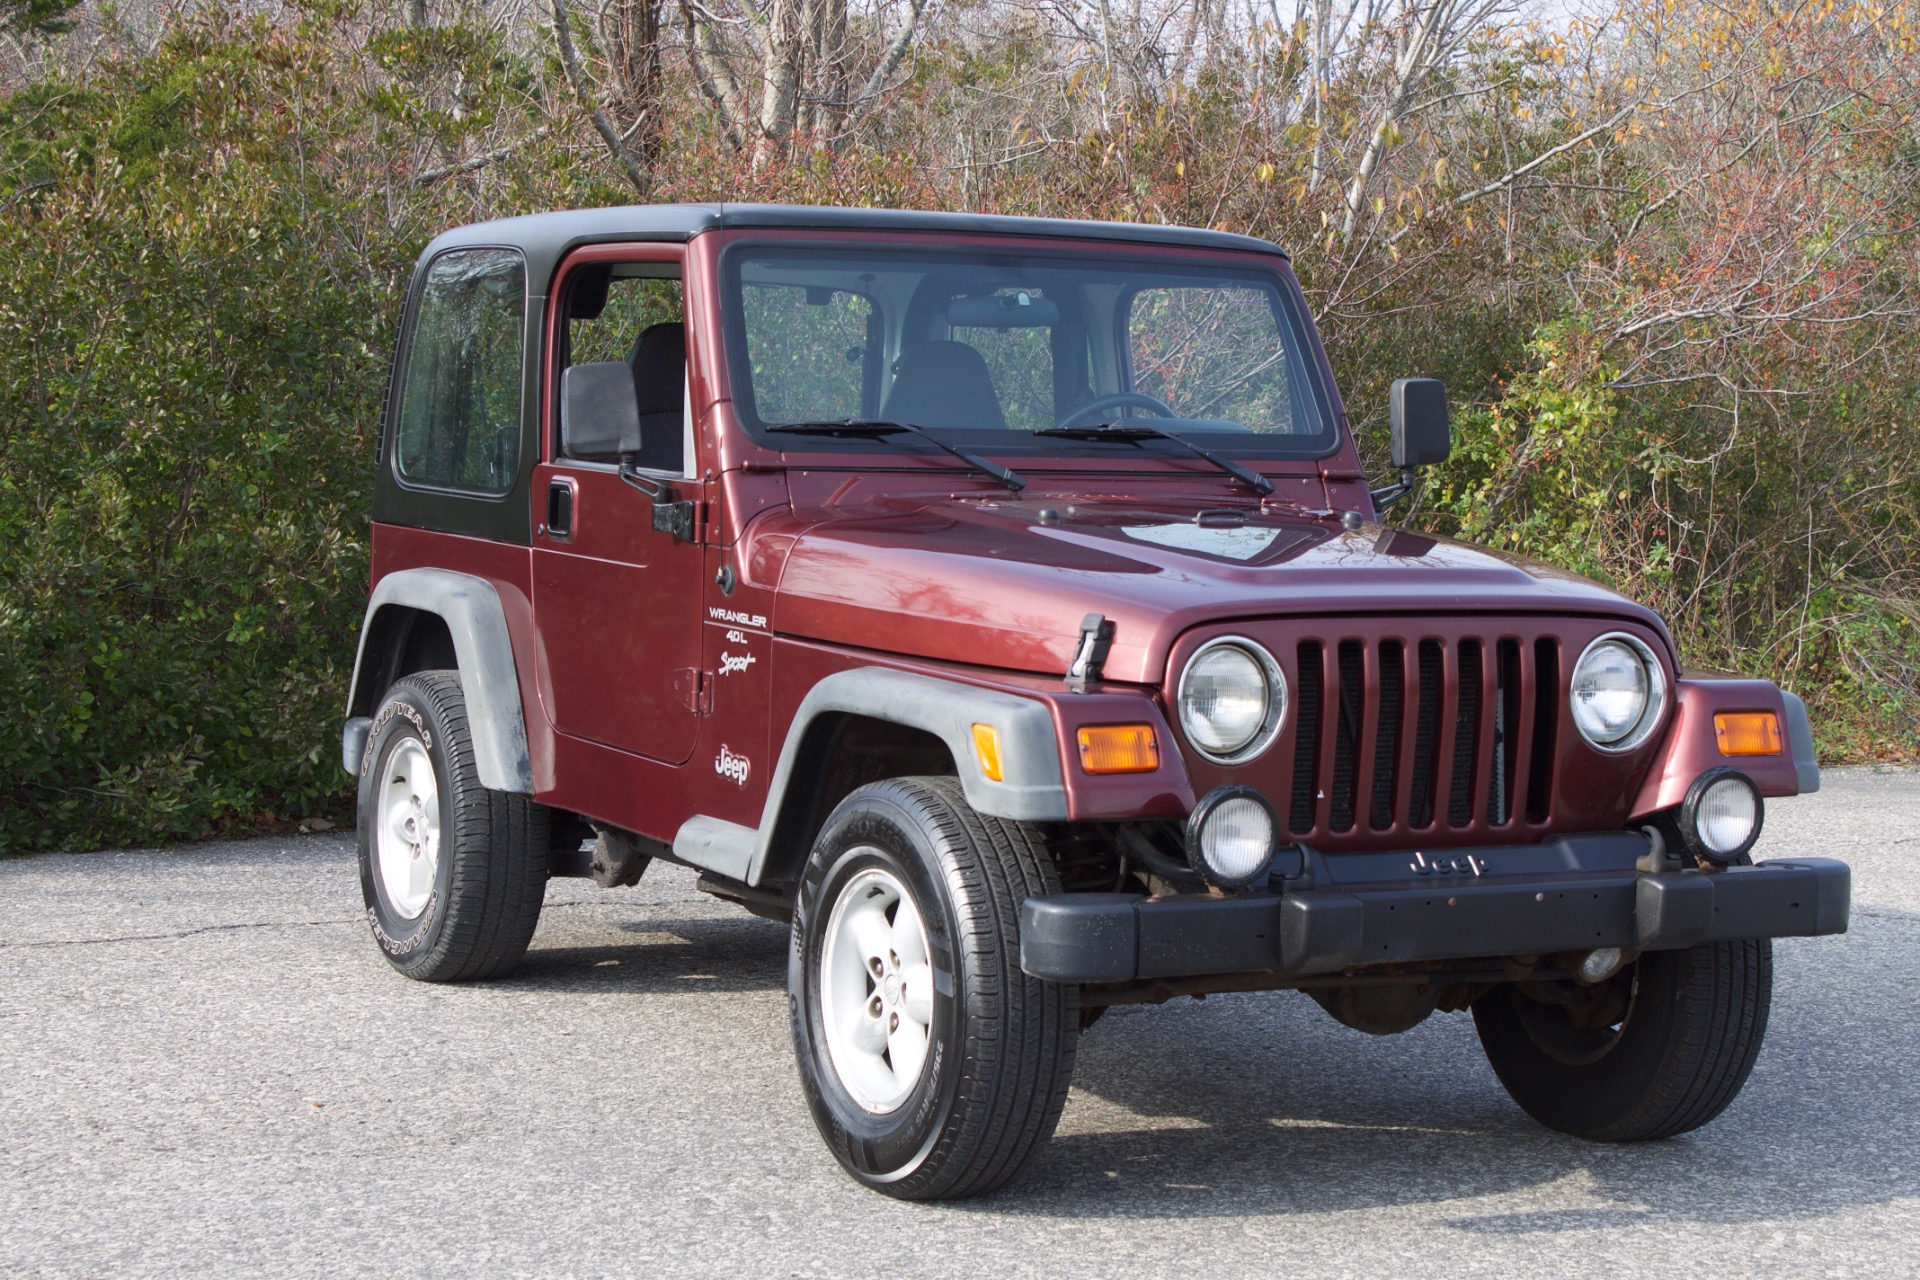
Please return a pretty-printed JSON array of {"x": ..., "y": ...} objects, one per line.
[
  {"x": 986, "y": 748},
  {"x": 1119, "y": 748},
  {"x": 1747, "y": 733}
]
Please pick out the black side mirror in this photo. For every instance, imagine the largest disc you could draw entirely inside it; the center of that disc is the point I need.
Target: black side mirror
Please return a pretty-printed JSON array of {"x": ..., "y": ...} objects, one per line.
[
  {"x": 599, "y": 411},
  {"x": 1421, "y": 434}
]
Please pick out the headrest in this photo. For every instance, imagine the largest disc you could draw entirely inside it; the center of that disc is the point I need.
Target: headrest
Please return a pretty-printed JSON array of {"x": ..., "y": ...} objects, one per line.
[
  {"x": 944, "y": 384},
  {"x": 659, "y": 363}
]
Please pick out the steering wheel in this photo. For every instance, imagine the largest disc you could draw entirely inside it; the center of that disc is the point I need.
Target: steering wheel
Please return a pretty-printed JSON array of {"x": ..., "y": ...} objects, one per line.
[{"x": 1118, "y": 400}]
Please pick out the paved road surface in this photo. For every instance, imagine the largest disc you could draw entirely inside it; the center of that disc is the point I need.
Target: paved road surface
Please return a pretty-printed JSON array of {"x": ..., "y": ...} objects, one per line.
[{"x": 206, "y": 1068}]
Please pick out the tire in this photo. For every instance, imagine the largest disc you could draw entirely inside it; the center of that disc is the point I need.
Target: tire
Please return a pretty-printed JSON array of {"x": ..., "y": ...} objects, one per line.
[
  {"x": 456, "y": 895},
  {"x": 999, "y": 1045},
  {"x": 1691, "y": 1026}
]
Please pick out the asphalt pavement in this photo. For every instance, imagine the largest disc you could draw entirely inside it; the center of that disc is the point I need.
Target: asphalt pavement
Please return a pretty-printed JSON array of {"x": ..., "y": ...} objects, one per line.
[{"x": 206, "y": 1068}]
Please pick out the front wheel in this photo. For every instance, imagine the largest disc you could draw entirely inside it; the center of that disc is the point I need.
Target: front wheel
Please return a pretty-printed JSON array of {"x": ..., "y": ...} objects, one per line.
[
  {"x": 934, "y": 1067},
  {"x": 1660, "y": 1049}
]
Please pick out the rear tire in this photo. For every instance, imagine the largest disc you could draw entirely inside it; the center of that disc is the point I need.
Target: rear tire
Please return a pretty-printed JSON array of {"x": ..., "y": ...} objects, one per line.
[
  {"x": 935, "y": 1078},
  {"x": 1690, "y": 1026},
  {"x": 453, "y": 874}
]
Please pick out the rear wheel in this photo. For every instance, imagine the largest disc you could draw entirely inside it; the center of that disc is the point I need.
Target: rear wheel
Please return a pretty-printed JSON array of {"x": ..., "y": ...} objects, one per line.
[
  {"x": 933, "y": 1065},
  {"x": 453, "y": 874},
  {"x": 1658, "y": 1050}
]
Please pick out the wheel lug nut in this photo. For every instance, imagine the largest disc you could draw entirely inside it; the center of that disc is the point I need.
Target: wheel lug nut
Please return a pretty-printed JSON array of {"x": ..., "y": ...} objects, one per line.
[
  {"x": 893, "y": 1022},
  {"x": 873, "y": 1007},
  {"x": 875, "y": 965}
]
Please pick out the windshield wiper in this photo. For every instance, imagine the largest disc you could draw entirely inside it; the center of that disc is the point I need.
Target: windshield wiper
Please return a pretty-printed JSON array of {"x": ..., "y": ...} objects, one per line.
[
  {"x": 880, "y": 428},
  {"x": 1133, "y": 433}
]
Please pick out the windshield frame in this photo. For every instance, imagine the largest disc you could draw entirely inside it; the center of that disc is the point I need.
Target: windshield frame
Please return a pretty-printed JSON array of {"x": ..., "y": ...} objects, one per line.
[{"x": 1308, "y": 382}]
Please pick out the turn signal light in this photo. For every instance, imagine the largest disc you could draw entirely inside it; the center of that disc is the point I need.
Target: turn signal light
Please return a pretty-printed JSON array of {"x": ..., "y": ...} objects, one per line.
[
  {"x": 1747, "y": 733},
  {"x": 1119, "y": 748},
  {"x": 986, "y": 748}
]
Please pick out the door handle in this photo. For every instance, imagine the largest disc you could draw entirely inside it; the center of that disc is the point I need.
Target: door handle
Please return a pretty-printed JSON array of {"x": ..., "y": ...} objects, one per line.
[{"x": 560, "y": 504}]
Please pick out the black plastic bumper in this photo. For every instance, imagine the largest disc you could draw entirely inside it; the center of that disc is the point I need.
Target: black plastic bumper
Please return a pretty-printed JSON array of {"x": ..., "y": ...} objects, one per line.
[{"x": 1573, "y": 894}]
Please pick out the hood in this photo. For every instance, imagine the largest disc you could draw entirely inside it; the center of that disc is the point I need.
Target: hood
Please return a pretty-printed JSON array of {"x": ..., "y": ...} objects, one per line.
[{"x": 1007, "y": 583}]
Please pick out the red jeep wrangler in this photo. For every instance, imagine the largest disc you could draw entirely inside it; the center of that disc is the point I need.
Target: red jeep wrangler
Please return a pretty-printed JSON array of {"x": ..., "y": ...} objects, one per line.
[{"x": 1001, "y": 601}]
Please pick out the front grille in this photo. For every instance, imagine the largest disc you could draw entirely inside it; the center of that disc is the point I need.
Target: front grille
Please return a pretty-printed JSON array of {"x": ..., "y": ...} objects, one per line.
[{"x": 1412, "y": 735}]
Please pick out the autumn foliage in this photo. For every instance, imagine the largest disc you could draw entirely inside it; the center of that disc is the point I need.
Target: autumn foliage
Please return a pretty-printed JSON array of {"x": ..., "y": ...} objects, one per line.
[{"x": 1665, "y": 259}]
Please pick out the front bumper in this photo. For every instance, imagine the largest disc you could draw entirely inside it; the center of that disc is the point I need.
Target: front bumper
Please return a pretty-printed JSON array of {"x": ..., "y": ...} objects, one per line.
[{"x": 1576, "y": 893}]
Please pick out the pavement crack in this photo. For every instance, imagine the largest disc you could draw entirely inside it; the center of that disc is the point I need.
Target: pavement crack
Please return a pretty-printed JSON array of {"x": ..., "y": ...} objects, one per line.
[
  {"x": 184, "y": 933},
  {"x": 1885, "y": 913}
]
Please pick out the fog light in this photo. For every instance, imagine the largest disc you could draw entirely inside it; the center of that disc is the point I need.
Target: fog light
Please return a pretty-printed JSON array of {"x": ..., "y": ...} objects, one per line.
[
  {"x": 1230, "y": 837},
  {"x": 1600, "y": 964},
  {"x": 1720, "y": 818}
]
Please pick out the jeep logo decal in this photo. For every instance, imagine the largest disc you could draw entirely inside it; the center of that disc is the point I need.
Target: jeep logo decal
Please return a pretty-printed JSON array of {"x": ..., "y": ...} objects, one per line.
[{"x": 729, "y": 765}]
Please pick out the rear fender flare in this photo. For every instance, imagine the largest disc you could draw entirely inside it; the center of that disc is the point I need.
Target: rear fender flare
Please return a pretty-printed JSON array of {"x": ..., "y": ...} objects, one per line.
[{"x": 488, "y": 676}]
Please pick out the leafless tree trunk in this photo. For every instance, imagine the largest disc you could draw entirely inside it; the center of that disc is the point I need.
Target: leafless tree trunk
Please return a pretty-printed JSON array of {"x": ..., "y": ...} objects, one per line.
[
  {"x": 631, "y": 33},
  {"x": 629, "y": 169},
  {"x": 1431, "y": 33}
]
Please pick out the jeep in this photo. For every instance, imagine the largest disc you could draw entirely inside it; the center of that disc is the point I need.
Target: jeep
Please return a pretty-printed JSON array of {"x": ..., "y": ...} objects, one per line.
[{"x": 1002, "y": 604}]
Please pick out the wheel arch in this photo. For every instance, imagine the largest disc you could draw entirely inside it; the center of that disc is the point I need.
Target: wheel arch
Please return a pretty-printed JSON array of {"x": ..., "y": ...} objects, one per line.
[
  {"x": 853, "y": 721},
  {"x": 424, "y": 619}
]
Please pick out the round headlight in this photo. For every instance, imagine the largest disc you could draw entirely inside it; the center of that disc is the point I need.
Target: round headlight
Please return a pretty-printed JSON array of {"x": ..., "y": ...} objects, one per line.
[
  {"x": 1720, "y": 817},
  {"x": 1617, "y": 693},
  {"x": 1230, "y": 837},
  {"x": 1232, "y": 697}
]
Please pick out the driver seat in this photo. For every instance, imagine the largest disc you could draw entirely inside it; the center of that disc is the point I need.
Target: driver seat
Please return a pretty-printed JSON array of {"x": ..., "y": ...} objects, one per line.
[{"x": 943, "y": 385}]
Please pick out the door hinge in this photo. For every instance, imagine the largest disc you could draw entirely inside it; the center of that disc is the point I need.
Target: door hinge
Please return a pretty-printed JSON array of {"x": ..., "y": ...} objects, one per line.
[
  {"x": 694, "y": 688},
  {"x": 679, "y": 518}
]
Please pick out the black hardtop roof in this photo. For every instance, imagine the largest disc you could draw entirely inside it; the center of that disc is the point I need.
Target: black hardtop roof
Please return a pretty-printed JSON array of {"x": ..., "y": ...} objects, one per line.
[{"x": 544, "y": 237}]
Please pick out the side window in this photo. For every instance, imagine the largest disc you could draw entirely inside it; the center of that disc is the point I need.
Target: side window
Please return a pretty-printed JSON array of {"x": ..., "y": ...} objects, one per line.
[
  {"x": 808, "y": 349},
  {"x": 460, "y": 403},
  {"x": 1213, "y": 352},
  {"x": 634, "y": 305},
  {"x": 641, "y": 323}
]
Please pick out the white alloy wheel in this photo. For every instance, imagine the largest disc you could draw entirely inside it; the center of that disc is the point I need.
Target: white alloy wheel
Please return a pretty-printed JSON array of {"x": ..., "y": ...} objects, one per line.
[
  {"x": 408, "y": 835},
  {"x": 876, "y": 990}
]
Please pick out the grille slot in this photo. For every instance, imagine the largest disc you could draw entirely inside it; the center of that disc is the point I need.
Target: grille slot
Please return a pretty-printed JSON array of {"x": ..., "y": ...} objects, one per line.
[
  {"x": 1349, "y": 706},
  {"x": 1386, "y": 746},
  {"x": 1422, "y": 734},
  {"x": 1426, "y": 734},
  {"x": 1546, "y": 716},
  {"x": 1506, "y": 741},
  {"x": 1466, "y": 736},
  {"x": 1306, "y": 738}
]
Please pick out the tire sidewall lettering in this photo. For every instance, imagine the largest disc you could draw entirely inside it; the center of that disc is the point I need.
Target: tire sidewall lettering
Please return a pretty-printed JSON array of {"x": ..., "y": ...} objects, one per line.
[{"x": 401, "y": 718}]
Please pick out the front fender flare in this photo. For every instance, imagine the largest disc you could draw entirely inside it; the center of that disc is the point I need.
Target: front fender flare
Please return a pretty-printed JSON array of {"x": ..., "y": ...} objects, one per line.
[
  {"x": 1032, "y": 788},
  {"x": 489, "y": 679}
]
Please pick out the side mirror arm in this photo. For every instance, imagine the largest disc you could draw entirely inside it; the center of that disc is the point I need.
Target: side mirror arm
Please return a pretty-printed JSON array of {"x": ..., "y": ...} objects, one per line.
[
  {"x": 658, "y": 490},
  {"x": 1387, "y": 495}
]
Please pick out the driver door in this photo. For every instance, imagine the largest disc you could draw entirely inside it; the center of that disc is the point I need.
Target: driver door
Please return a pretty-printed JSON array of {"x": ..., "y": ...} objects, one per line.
[{"x": 616, "y": 600}]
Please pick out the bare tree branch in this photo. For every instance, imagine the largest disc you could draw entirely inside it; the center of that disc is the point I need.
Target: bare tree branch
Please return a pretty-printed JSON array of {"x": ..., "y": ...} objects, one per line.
[{"x": 608, "y": 133}]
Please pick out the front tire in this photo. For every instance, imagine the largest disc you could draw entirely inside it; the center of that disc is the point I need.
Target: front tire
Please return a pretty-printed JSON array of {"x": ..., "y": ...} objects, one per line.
[
  {"x": 1663, "y": 1051},
  {"x": 453, "y": 874},
  {"x": 934, "y": 1067}
]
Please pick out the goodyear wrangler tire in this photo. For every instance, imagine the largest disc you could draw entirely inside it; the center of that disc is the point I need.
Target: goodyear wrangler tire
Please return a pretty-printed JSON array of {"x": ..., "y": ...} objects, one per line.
[
  {"x": 934, "y": 1067},
  {"x": 453, "y": 874},
  {"x": 1690, "y": 1026}
]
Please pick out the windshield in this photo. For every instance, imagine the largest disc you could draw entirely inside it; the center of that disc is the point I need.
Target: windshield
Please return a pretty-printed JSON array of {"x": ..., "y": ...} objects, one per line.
[{"x": 991, "y": 349}]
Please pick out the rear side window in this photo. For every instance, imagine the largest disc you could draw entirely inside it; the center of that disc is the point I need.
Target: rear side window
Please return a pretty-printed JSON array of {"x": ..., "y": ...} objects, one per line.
[{"x": 460, "y": 404}]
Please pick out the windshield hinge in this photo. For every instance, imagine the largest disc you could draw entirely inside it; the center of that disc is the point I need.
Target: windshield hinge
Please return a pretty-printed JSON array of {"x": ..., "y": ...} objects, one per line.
[{"x": 1096, "y": 637}]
